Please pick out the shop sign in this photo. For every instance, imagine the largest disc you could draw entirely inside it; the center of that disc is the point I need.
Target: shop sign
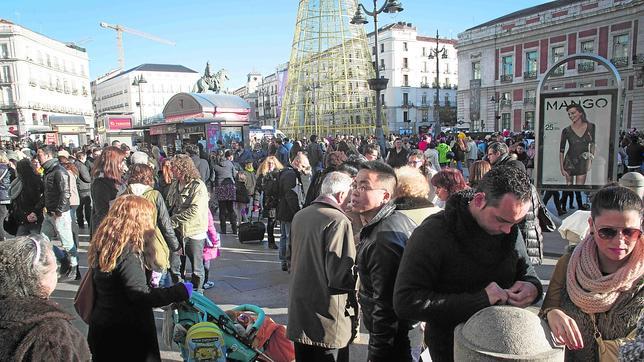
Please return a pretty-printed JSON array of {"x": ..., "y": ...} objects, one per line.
[
  {"x": 190, "y": 130},
  {"x": 163, "y": 129},
  {"x": 119, "y": 123},
  {"x": 51, "y": 138}
]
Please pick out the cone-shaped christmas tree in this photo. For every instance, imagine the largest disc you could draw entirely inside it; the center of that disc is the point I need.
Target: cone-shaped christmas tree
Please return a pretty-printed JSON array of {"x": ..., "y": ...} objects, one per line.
[{"x": 327, "y": 90}]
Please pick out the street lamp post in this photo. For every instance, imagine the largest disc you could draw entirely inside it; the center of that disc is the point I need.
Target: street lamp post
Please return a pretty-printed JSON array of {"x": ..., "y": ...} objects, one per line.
[
  {"x": 377, "y": 84},
  {"x": 435, "y": 53},
  {"x": 312, "y": 88},
  {"x": 137, "y": 83}
]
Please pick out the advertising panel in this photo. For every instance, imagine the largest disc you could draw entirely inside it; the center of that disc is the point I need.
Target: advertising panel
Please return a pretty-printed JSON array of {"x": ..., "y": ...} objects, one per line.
[
  {"x": 115, "y": 123},
  {"x": 576, "y": 140},
  {"x": 213, "y": 133}
]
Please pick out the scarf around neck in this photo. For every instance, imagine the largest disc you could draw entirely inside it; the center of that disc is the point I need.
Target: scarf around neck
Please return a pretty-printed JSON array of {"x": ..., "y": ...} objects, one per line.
[{"x": 592, "y": 291}]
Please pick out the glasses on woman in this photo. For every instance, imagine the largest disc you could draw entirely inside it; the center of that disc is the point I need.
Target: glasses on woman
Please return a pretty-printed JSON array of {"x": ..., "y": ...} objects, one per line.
[
  {"x": 414, "y": 163},
  {"x": 608, "y": 233}
]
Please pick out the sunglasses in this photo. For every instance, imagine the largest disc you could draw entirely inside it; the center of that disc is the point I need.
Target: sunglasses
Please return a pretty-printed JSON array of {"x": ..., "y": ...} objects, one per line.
[{"x": 610, "y": 233}]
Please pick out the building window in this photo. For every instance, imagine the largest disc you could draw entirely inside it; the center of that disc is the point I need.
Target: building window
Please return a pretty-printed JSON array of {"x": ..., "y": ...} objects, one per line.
[
  {"x": 405, "y": 80},
  {"x": 425, "y": 115},
  {"x": 424, "y": 99},
  {"x": 587, "y": 47},
  {"x": 507, "y": 68},
  {"x": 405, "y": 98},
  {"x": 620, "y": 50},
  {"x": 382, "y": 64},
  {"x": 424, "y": 52},
  {"x": 382, "y": 47},
  {"x": 530, "y": 97},
  {"x": 5, "y": 76},
  {"x": 382, "y": 99},
  {"x": 48, "y": 60},
  {"x": 425, "y": 67},
  {"x": 447, "y": 84},
  {"x": 4, "y": 51},
  {"x": 558, "y": 53},
  {"x": 585, "y": 85},
  {"x": 476, "y": 70},
  {"x": 405, "y": 116},
  {"x": 405, "y": 48},
  {"x": 505, "y": 120},
  {"x": 529, "y": 120},
  {"x": 530, "y": 65},
  {"x": 405, "y": 63},
  {"x": 373, "y": 50}
]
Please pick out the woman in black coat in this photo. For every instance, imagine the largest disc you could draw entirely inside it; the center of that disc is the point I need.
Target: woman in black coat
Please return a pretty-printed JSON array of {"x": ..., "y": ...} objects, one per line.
[
  {"x": 122, "y": 322},
  {"x": 107, "y": 180},
  {"x": 26, "y": 209}
]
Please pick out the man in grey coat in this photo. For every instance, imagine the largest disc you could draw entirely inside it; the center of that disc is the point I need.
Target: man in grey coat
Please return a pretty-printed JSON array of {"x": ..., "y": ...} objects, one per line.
[
  {"x": 322, "y": 260},
  {"x": 200, "y": 163}
]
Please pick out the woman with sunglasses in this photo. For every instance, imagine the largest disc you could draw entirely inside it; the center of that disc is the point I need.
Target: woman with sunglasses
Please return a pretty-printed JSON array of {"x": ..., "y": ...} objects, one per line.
[{"x": 598, "y": 288}]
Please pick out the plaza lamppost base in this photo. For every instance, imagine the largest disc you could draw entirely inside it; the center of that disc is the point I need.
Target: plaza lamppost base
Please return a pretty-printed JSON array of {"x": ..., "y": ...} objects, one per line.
[{"x": 379, "y": 85}]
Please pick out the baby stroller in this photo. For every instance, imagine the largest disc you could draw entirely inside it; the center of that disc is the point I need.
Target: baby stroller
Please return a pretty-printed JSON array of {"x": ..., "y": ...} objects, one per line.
[{"x": 235, "y": 344}]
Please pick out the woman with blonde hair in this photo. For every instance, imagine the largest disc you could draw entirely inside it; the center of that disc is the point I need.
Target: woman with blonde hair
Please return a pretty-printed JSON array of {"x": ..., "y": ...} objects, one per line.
[
  {"x": 122, "y": 315},
  {"x": 267, "y": 178},
  {"x": 411, "y": 194},
  {"x": 596, "y": 292}
]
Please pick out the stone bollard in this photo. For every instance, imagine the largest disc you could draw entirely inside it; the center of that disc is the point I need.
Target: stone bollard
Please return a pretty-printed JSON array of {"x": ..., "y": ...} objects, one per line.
[{"x": 505, "y": 333}]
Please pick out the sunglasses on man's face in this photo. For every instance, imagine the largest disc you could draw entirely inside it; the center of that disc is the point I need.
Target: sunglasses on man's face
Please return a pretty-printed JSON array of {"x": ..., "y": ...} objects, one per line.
[{"x": 610, "y": 233}]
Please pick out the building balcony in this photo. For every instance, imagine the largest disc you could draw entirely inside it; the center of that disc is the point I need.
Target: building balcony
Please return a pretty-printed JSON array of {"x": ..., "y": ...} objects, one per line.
[
  {"x": 424, "y": 106},
  {"x": 530, "y": 101},
  {"x": 619, "y": 61},
  {"x": 559, "y": 71},
  {"x": 530, "y": 74},
  {"x": 424, "y": 85},
  {"x": 506, "y": 78},
  {"x": 585, "y": 67},
  {"x": 407, "y": 105},
  {"x": 506, "y": 103}
]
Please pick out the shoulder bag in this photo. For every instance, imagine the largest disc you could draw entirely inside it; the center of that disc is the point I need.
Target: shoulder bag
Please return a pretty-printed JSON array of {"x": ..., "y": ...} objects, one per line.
[
  {"x": 85, "y": 296},
  {"x": 608, "y": 350}
]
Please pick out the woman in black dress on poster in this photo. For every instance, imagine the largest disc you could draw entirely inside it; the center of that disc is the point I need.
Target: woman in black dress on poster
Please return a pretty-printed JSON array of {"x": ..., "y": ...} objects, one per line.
[{"x": 580, "y": 137}]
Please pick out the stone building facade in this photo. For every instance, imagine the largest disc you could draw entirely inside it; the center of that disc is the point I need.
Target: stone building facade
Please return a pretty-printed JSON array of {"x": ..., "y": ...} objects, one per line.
[{"x": 502, "y": 61}]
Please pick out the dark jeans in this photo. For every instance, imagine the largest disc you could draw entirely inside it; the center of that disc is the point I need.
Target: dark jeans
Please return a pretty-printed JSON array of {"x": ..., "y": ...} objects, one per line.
[
  {"x": 227, "y": 213},
  {"x": 84, "y": 210},
  {"x": 4, "y": 212},
  {"x": 555, "y": 195},
  {"x": 567, "y": 195},
  {"x": 307, "y": 353},
  {"x": 193, "y": 251},
  {"x": 270, "y": 229}
]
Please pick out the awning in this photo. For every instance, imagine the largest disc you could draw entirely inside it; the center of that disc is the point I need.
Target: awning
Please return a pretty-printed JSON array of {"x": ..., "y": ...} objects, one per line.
[{"x": 67, "y": 120}]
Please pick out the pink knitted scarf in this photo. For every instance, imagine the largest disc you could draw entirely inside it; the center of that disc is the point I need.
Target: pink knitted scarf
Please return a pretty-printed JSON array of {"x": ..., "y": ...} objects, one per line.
[{"x": 593, "y": 292}]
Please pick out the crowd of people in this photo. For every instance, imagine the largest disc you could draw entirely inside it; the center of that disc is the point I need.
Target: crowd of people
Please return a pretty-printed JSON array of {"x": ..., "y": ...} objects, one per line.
[{"x": 425, "y": 230}]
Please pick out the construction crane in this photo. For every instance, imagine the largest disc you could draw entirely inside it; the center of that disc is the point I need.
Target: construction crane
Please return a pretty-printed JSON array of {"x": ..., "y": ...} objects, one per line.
[{"x": 119, "y": 39}]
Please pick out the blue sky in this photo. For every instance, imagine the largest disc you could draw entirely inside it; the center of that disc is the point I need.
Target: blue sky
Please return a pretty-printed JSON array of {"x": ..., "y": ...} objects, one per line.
[{"x": 239, "y": 35}]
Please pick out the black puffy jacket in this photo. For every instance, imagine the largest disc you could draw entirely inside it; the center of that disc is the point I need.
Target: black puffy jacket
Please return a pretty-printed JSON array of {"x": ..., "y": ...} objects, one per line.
[
  {"x": 379, "y": 252},
  {"x": 5, "y": 183},
  {"x": 57, "y": 192},
  {"x": 531, "y": 230},
  {"x": 291, "y": 194}
]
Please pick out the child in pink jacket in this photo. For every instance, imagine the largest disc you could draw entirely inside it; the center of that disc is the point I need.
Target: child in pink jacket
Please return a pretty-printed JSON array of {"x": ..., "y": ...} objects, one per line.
[{"x": 211, "y": 250}]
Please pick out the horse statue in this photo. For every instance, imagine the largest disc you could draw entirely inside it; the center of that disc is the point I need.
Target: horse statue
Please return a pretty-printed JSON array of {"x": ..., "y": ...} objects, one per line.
[{"x": 211, "y": 82}]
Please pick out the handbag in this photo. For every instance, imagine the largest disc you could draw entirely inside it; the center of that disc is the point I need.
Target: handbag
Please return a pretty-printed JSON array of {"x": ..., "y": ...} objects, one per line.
[
  {"x": 608, "y": 350},
  {"x": 545, "y": 219},
  {"x": 226, "y": 191},
  {"x": 85, "y": 296}
]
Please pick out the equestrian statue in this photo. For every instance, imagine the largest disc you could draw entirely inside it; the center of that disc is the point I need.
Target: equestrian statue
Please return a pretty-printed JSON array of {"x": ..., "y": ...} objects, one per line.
[{"x": 210, "y": 82}]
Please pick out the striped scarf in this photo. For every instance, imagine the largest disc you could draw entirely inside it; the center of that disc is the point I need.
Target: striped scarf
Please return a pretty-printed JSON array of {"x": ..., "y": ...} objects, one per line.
[{"x": 593, "y": 292}]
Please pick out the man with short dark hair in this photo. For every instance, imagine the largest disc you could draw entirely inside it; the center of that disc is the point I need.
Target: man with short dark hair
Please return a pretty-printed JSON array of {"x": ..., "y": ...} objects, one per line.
[
  {"x": 468, "y": 257},
  {"x": 398, "y": 155},
  {"x": 57, "y": 219},
  {"x": 83, "y": 182},
  {"x": 498, "y": 154},
  {"x": 382, "y": 241},
  {"x": 315, "y": 153},
  {"x": 371, "y": 152}
]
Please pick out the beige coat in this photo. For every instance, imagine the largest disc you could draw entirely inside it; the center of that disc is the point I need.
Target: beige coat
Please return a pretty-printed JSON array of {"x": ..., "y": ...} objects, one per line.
[{"x": 322, "y": 259}]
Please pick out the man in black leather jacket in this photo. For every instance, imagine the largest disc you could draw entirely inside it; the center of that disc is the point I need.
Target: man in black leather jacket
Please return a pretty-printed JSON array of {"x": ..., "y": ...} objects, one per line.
[
  {"x": 57, "y": 216},
  {"x": 382, "y": 241}
]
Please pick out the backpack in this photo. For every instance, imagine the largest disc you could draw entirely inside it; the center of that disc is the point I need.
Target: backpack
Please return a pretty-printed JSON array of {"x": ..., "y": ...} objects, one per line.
[
  {"x": 204, "y": 342},
  {"x": 271, "y": 187}
]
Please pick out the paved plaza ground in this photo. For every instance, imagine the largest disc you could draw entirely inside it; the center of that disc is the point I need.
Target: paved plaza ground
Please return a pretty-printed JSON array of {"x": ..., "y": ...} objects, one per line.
[{"x": 251, "y": 274}]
